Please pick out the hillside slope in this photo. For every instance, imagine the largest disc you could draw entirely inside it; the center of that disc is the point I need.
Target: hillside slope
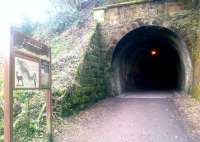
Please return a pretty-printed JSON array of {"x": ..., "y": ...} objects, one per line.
[
  {"x": 69, "y": 46},
  {"x": 68, "y": 49}
]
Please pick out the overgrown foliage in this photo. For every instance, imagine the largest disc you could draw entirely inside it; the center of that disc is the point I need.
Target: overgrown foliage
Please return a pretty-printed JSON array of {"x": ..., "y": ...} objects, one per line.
[
  {"x": 59, "y": 45},
  {"x": 59, "y": 16},
  {"x": 1, "y": 101},
  {"x": 29, "y": 116}
]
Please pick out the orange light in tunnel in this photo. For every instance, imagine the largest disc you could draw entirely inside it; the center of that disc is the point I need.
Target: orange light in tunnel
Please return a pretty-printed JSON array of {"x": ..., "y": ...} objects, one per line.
[{"x": 154, "y": 52}]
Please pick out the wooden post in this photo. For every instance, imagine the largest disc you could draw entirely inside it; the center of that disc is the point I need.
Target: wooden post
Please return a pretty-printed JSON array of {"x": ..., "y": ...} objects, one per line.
[
  {"x": 49, "y": 115},
  {"x": 9, "y": 86},
  {"x": 49, "y": 106},
  {"x": 8, "y": 95}
]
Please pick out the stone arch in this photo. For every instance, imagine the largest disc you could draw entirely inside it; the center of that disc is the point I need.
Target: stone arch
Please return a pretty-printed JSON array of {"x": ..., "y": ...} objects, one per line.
[
  {"x": 174, "y": 40},
  {"x": 129, "y": 27}
]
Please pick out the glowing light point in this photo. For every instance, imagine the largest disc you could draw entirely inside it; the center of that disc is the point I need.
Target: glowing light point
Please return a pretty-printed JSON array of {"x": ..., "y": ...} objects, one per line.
[{"x": 154, "y": 52}]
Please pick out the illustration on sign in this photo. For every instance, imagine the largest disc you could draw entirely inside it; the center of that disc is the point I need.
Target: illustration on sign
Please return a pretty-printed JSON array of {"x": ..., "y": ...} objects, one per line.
[{"x": 26, "y": 73}]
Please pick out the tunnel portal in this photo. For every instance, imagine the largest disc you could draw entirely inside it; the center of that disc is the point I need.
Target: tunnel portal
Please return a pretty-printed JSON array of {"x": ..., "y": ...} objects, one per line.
[{"x": 149, "y": 58}]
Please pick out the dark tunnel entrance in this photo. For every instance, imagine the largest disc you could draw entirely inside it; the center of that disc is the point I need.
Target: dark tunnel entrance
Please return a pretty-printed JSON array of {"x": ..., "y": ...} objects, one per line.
[
  {"x": 155, "y": 66},
  {"x": 148, "y": 58}
]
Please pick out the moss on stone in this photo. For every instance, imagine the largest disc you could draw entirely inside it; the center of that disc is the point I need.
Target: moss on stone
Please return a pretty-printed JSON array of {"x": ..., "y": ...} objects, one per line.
[
  {"x": 91, "y": 81},
  {"x": 196, "y": 91}
]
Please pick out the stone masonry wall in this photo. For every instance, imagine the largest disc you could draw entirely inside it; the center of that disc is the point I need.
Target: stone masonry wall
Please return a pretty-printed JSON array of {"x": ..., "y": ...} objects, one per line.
[
  {"x": 91, "y": 81},
  {"x": 179, "y": 16}
]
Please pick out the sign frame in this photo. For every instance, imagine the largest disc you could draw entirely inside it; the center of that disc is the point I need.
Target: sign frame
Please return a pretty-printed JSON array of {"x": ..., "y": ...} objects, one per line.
[
  {"x": 30, "y": 57},
  {"x": 10, "y": 81}
]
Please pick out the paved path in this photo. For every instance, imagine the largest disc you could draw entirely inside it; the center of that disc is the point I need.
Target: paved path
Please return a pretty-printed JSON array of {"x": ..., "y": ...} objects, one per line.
[{"x": 146, "y": 117}]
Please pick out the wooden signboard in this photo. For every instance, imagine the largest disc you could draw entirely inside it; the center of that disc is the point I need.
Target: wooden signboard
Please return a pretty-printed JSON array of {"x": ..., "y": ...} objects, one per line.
[
  {"x": 32, "y": 63},
  {"x": 27, "y": 67}
]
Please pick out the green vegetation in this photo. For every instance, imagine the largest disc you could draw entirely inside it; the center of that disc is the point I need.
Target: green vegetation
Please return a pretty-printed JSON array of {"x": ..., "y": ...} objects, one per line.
[
  {"x": 1, "y": 101},
  {"x": 60, "y": 15},
  {"x": 60, "y": 45},
  {"x": 29, "y": 116},
  {"x": 196, "y": 92}
]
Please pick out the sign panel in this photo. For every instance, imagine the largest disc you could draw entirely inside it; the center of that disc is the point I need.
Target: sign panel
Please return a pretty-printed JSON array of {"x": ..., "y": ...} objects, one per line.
[
  {"x": 26, "y": 73},
  {"x": 32, "y": 63}
]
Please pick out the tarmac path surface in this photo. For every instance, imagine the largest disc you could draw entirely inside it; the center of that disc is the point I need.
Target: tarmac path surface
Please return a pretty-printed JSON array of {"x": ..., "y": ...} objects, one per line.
[{"x": 142, "y": 117}]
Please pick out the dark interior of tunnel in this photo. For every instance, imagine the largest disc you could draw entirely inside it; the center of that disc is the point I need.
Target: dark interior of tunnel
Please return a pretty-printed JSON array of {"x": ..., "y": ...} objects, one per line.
[{"x": 147, "y": 59}]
